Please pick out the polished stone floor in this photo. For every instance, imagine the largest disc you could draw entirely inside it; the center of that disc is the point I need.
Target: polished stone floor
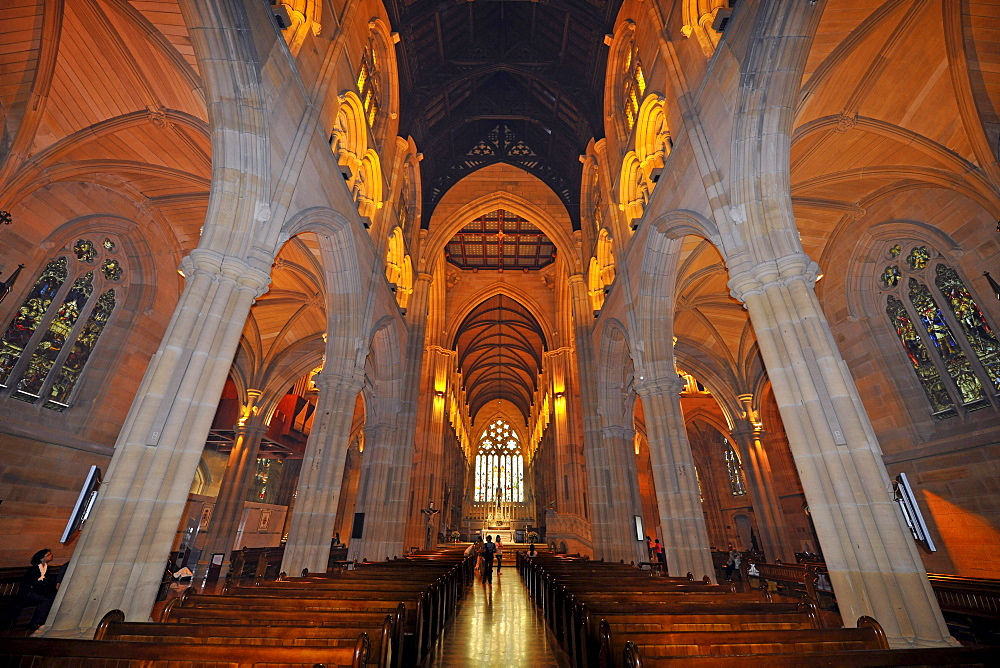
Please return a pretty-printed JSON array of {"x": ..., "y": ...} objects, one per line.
[{"x": 497, "y": 625}]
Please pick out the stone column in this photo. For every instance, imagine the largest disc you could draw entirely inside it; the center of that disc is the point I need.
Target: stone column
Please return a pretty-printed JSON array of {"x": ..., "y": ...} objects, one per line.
[
  {"x": 382, "y": 495},
  {"x": 232, "y": 493},
  {"x": 570, "y": 474},
  {"x": 318, "y": 493},
  {"x": 873, "y": 562},
  {"x": 749, "y": 437},
  {"x": 682, "y": 519},
  {"x": 427, "y": 481},
  {"x": 614, "y": 485},
  {"x": 583, "y": 317},
  {"x": 122, "y": 553}
]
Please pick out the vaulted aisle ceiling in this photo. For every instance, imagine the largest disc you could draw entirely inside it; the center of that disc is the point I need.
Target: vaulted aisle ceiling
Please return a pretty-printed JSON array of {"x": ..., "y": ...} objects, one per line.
[
  {"x": 500, "y": 346},
  {"x": 502, "y": 81}
]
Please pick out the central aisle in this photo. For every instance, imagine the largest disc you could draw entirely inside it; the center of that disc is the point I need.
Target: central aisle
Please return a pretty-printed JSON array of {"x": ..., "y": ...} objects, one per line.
[{"x": 497, "y": 625}]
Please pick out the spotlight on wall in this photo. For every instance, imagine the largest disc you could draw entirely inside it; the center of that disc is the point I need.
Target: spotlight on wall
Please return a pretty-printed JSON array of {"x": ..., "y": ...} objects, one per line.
[
  {"x": 560, "y": 395},
  {"x": 993, "y": 284},
  {"x": 439, "y": 393},
  {"x": 8, "y": 285}
]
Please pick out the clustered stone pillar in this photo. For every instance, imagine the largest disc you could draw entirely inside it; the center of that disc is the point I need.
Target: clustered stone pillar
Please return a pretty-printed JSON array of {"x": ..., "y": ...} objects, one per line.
[
  {"x": 318, "y": 492},
  {"x": 749, "y": 436},
  {"x": 228, "y": 509},
  {"x": 873, "y": 563},
  {"x": 682, "y": 520},
  {"x": 614, "y": 486},
  {"x": 569, "y": 474},
  {"x": 120, "y": 559},
  {"x": 382, "y": 493}
]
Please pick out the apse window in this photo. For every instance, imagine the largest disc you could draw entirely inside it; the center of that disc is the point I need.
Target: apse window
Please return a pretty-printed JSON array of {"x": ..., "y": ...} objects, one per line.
[
  {"x": 948, "y": 341},
  {"x": 53, "y": 334},
  {"x": 499, "y": 465}
]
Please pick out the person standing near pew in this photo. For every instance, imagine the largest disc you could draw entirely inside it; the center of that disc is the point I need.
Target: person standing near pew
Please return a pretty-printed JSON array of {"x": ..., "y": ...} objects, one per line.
[
  {"x": 733, "y": 564},
  {"x": 499, "y": 553},
  {"x": 489, "y": 549}
]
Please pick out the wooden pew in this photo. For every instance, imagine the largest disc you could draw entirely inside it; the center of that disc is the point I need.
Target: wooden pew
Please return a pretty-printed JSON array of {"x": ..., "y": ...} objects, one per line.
[
  {"x": 970, "y": 605},
  {"x": 705, "y": 617},
  {"x": 867, "y": 635},
  {"x": 384, "y": 639},
  {"x": 54, "y": 653},
  {"x": 800, "y": 577},
  {"x": 950, "y": 656},
  {"x": 299, "y": 611}
]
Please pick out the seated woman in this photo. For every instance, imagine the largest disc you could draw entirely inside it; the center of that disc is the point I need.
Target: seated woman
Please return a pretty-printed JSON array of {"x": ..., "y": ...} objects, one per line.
[{"x": 38, "y": 588}]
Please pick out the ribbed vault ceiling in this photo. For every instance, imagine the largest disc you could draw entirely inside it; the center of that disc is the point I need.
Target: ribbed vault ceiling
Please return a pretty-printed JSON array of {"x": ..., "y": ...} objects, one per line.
[
  {"x": 502, "y": 81},
  {"x": 500, "y": 347}
]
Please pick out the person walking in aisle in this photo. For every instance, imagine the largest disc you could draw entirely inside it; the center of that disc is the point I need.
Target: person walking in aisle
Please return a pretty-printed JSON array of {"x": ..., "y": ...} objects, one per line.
[{"x": 488, "y": 551}]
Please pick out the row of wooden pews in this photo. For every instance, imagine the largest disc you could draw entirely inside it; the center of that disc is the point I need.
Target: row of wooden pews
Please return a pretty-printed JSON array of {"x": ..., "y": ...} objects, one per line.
[
  {"x": 382, "y": 615},
  {"x": 611, "y": 615}
]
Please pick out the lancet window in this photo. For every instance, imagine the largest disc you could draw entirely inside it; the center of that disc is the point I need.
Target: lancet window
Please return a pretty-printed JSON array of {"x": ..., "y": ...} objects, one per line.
[
  {"x": 51, "y": 337},
  {"x": 369, "y": 83},
  {"x": 499, "y": 474},
  {"x": 951, "y": 346},
  {"x": 634, "y": 83},
  {"x": 737, "y": 483}
]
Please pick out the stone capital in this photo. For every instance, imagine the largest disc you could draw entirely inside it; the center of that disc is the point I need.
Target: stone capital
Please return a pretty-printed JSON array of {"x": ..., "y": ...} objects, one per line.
[
  {"x": 618, "y": 432},
  {"x": 766, "y": 275},
  {"x": 653, "y": 387},
  {"x": 219, "y": 267},
  {"x": 330, "y": 381}
]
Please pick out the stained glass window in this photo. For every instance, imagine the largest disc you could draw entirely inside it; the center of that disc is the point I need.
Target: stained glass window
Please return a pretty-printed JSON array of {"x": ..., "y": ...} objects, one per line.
[
  {"x": 54, "y": 339},
  {"x": 85, "y": 251},
  {"x": 26, "y": 320},
  {"x": 934, "y": 310},
  {"x": 928, "y": 374},
  {"x": 970, "y": 319},
  {"x": 736, "y": 482},
  {"x": 80, "y": 353},
  {"x": 369, "y": 86},
  {"x": 890, "y": 277},
  {"x": 634, "y": 85},
  {"x": 50, "y": 338},
  {"x": 598, "y": 203},
  {"x": 499, "y": 474},
  {"x": 944, "y": 341}
]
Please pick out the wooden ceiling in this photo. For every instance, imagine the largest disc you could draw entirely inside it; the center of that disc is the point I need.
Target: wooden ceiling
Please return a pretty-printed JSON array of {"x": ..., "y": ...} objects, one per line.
[
  {"x": 500, "y": 346},
  {"x": 502, "y": 241},
  {"x": 502, "y": 81}
]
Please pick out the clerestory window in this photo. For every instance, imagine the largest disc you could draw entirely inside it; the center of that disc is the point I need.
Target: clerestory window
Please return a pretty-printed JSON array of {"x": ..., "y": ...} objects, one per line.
[
  {"x": 737, "y": 484},
  {"x": 47, "y": 344},
  {"x": 370, "y": 84},
  {"x": 950, "y": 345},
  {"x": 634, "y": 84}
]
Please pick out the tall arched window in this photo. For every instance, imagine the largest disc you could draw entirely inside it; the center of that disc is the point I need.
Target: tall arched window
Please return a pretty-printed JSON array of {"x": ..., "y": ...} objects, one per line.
[
  {"x": 48, "y": 342},
  {"x": 499, "y": 465},
  {"x": 737, "y": 484},
  {"x": 633, "y": 84},
  {"x": 951, "y": 346},
  {"x": 370, "y": 82}
]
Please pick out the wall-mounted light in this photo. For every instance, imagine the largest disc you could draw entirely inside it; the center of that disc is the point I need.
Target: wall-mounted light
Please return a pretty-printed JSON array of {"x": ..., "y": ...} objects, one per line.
[
  {"x": 993, "y": 284},
  {"x": 560, "y": 395},
  {"x": 8, "y": 285},
  {"x": 439, "y": 393}
]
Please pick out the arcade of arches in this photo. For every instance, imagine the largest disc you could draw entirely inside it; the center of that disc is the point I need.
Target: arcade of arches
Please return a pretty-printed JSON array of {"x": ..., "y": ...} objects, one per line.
[{"x": 394, "y": 271}]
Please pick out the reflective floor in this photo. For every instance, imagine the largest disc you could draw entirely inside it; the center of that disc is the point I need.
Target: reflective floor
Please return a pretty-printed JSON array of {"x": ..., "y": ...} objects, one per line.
[{"x": 497, "y": 625}]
